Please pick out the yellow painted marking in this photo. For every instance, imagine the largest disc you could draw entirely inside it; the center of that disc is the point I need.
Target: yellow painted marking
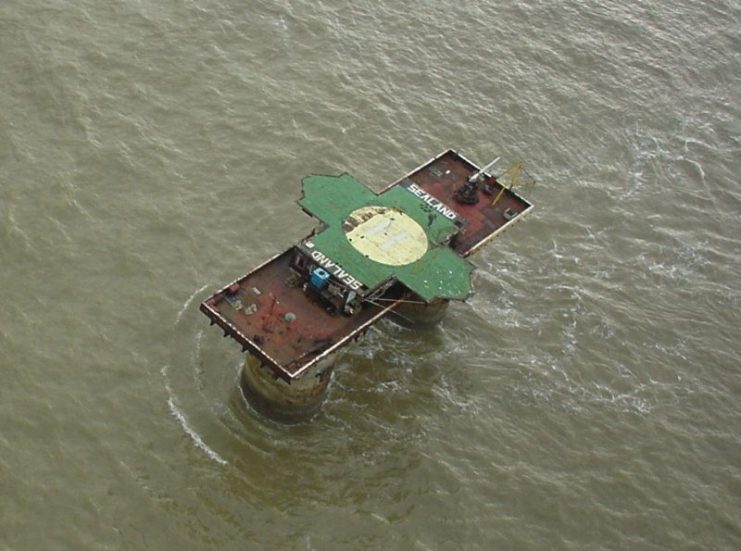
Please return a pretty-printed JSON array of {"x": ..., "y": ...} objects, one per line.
[{"x": 386, "y": 235}]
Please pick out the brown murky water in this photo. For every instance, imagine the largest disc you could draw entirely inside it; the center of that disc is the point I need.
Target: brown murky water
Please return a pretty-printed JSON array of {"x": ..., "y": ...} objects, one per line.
[{"x": 585, "y": 398}]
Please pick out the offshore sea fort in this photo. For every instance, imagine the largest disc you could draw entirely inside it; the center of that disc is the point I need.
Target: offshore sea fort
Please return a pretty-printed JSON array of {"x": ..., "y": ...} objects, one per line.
[
  {"x": 399, "y": 252},
  {"x": 585, "y": 396}
]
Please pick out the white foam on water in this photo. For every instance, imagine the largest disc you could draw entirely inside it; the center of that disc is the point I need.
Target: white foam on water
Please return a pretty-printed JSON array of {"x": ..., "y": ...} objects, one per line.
[
  {"x": 183, "y": 420},
  {"x": 194, "y": 436},
  {"x": 187, "y": 303}
]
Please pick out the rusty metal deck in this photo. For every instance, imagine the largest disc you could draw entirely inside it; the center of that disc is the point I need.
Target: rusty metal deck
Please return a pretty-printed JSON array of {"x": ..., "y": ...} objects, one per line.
[
  {"x": 446, "y": 173},
  {"x": 272, "y": 317}
]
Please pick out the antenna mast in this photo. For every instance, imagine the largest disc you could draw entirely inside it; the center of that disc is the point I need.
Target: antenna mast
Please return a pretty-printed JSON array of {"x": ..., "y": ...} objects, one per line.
[{"x": 475, "y": 177}]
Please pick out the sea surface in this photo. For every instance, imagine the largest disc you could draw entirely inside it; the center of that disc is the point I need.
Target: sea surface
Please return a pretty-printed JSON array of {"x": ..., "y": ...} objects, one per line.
[{"x": 587, "y": 397}]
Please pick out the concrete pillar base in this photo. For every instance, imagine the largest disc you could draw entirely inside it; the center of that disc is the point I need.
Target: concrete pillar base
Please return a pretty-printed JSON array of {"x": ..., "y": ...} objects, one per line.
[
  {"x": 285, "y": 402},
  {"x": 416, "y": 313}
]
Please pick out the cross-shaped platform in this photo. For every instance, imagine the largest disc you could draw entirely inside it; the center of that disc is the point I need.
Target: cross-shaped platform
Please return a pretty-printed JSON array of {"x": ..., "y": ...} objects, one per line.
[{"x": 402, "y": 234}]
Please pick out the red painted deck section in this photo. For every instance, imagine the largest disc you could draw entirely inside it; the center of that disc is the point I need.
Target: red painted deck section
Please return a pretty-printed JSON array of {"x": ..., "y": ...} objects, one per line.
[
  {"x": 448, "y": 173},
  {"x": 276, "y": 321}
]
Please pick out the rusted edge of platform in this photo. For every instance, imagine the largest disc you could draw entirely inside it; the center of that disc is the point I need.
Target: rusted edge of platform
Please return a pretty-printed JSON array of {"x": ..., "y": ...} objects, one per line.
[
  {"x": 507, "y": 224},
  {"x": 356, "y": 333},
  {"x": 236, "y": 334},
  {"x": 254, "y": 348}
]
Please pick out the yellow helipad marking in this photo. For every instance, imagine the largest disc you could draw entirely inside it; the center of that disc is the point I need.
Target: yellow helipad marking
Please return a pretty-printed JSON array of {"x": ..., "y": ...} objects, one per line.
[{"x": 385, "y": 235}]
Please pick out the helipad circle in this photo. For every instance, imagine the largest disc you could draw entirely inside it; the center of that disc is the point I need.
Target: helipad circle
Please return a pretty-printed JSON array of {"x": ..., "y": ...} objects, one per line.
[{"x": 385, "y": 235}]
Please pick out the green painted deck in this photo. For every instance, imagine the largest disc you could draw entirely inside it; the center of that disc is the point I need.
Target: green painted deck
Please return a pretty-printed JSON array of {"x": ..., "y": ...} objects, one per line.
[{"x": 394, "y": 235}]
